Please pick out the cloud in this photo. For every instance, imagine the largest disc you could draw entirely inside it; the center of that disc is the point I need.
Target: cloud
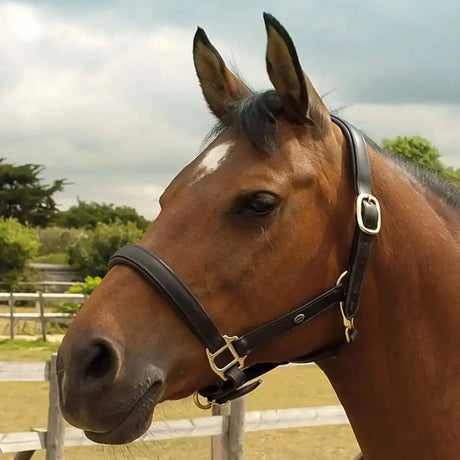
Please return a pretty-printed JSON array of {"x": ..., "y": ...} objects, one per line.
[
  {"x": 438, "y": 123},
  {"x": 95, "y": 107},
  {"x": 374, "y": 51},
  {"x": 104, "y": 93}
]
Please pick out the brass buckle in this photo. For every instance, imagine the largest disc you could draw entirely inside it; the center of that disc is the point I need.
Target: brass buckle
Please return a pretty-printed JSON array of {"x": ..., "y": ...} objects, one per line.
[
  {"x": 348, "y": 323},
  {"x": 220, "y": 371},
  {"x": 359, "y": 213}
]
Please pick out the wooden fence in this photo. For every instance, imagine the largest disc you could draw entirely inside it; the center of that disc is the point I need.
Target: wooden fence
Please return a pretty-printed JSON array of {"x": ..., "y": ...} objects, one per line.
[
  {"x": 226, "y": 429},
  {"x": 41, "y": 300}
]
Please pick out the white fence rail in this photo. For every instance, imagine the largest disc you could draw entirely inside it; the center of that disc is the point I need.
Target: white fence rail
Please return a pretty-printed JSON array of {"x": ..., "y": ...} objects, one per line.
[
  {"x": 190, "y": 428},
  {"x": 41, "y": 300},
  {"x": 11, "y": 371},
  {"x": 47, "y": 296},
  {"x": 227, "y": 430}
]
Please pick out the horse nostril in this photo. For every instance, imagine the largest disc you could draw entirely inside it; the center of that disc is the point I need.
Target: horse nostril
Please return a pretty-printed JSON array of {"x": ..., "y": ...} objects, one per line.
[{"x": 102, "y": 362}]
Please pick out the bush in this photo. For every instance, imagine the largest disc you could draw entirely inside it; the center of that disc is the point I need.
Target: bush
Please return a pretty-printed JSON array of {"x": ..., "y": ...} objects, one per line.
[
  {"x": 91, "y": 252},
  {"x": 59, "y": 258},
  {"x": 56, "y": 239},
  {"x": 88, "y": 215},
  {"x": 18, "y": 244},
  {"x": 91, "y": 283}
]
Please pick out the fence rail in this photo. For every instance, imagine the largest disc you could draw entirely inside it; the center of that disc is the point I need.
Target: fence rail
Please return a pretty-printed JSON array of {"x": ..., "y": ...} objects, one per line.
[
  {"x": 40, "y": 316},
  {"x": 227, "y": 430},
  {"x": 189, "y": 428},
  {"x": 47, "y": 296},
  {"x": 11, "y": 371}
]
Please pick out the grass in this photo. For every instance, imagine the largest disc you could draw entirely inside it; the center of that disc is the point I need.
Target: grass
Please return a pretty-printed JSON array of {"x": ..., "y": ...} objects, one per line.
[
  {"x": 27, "y": 345},
  {"x": 23, "y": 405},
  {"x": 52, "y": 258},
  {"x": 25, "y": 350}
]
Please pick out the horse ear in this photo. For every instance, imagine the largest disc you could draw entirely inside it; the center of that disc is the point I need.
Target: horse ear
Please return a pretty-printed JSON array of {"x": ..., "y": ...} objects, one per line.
[
  {"x": 220, "y": 86},
  {"x": 299, "y": 98}
]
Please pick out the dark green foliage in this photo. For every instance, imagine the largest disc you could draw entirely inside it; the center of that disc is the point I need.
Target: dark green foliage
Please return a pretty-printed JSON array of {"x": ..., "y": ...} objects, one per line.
[
  {"x": 18, "y": 244},
  {"x": 421, "y": 151},
  {"x": 91, "y": 252},
  {"x": 88, "y": 215},
  {"x": 24, "y": 196}
]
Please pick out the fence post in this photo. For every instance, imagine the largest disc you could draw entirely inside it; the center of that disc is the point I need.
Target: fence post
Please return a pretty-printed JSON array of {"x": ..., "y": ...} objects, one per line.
[
  {"x": 219, "y": 443},
  {"x": 41, "y": 302},
  {"x": 11, "y": 305},
  {"x": 55, "y": 427},
  {"x": 236, "y": 429}
]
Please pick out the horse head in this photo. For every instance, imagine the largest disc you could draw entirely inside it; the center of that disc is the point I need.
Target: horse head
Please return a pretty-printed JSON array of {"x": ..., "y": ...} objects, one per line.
[{"x": 259, "y": 221}]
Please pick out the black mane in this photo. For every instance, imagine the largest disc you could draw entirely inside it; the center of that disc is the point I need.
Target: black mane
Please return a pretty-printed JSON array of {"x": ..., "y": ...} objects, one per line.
[{"x": 255, "y": 118}]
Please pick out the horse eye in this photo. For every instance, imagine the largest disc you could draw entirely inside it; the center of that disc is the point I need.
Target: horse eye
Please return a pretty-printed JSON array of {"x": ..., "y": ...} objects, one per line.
[{"x": 258, "y": 204}]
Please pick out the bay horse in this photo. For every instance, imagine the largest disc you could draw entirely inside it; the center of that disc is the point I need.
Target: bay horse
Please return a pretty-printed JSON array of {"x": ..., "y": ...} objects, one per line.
[{"x": 258, "y": 257}]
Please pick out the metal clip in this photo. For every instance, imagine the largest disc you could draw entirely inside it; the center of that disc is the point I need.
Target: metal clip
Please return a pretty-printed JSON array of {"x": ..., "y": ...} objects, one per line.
[
  {"x": 350, "y": 331},
  {"x": 198, "y": 403},
  {"x": 237, "y": 359}
]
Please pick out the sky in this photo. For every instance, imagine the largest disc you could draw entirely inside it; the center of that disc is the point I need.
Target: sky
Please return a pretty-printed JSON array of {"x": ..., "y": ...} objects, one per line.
[{"x": 104, "y": 93}]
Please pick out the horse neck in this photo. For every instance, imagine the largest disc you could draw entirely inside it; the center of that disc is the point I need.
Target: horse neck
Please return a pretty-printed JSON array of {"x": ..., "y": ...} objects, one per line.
[{"x": 399, "y": 382}]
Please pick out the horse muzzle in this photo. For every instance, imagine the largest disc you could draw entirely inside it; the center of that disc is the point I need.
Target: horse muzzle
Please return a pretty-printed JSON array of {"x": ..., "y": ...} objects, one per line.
[{"x": 108, "y": 397}]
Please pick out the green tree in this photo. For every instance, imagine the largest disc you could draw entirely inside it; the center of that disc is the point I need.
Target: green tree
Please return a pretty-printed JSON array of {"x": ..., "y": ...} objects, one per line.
[
  {"x": 91, "y": 252},
  {"x": 421, "y": 151},
  {"x": 18, "y": 244},
  {"x": 453, "y": 174},
  {"x": 88, "y": 215},
  {"x": 24, "y": 196}
]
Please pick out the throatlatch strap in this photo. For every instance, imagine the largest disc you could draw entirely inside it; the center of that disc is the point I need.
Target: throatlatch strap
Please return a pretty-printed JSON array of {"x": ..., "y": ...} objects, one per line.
[
  {"x": 362, "y": 244},
  {"x": 362, "y": 241}
]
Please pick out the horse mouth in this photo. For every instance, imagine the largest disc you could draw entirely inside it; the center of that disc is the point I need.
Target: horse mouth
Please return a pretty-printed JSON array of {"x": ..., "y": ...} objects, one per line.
[{"x": 136, "y": 422}]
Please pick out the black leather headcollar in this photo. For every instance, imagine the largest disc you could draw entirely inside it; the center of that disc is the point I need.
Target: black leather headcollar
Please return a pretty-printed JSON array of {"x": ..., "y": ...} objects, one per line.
[{"x": 226, "y": 354}]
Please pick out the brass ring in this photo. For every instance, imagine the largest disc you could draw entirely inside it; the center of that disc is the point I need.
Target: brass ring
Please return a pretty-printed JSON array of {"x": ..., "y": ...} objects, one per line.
[{"x": 198, "y": 403}]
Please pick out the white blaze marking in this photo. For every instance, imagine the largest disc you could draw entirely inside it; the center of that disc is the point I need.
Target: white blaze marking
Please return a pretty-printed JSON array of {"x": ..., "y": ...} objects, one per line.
[{"x": 214, "y": 158}]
